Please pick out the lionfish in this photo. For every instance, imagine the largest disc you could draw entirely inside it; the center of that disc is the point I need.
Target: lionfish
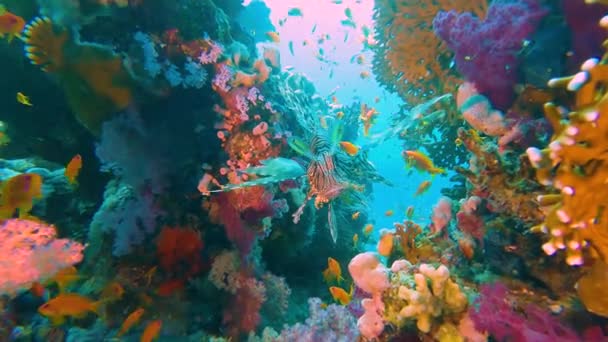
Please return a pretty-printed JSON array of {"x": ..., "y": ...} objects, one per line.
[{"x": 327, "y": 172}]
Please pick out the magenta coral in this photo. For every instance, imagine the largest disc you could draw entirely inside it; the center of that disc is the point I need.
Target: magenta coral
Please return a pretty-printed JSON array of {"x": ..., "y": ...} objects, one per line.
[
  {"x": 30, "y": 252},
  {"x": 486, "y": 51},
  {"x": 243, "y": 315},
  {"x": 498, "y": 317}
]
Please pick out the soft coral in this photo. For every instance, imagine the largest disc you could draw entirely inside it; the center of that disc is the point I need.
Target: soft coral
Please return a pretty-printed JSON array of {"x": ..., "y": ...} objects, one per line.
[{"x": 496, "y": 315}]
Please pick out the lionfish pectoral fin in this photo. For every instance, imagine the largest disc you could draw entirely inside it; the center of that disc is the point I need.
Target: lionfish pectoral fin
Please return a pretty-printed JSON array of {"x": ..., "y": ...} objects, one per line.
[{"x": 331, "y": 223}]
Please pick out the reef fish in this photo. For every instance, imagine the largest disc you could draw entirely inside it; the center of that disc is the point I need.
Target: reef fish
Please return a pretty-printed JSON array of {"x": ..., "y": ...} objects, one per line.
[
  {"x": 340, "y": 295},
  {"x": 350, "y": 148},
  {"x": 151, "y": 331},
  {"x": 65, "y": 277},
  {"x": 10, "y": 24},
  {"x": 18, "y": 193},
  {"x": 68, "y": 305},
  {"x": 385, "y": 245},
  {"x": 295, "y": 12},
  {"x": 421, "y": 162},
  {"x": 73, "y": 169},
  {"x": 423, "y": 187},
  {"x": 131, "y": 320},
  {"x": 23, "y": 99},
  {"x": 333, "y": 271}
]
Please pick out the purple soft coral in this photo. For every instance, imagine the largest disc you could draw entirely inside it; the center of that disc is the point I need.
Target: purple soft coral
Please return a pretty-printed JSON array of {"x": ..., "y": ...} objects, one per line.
[
  {"x": 486, "y": 51},
  {"x": 332, "y": 324}
]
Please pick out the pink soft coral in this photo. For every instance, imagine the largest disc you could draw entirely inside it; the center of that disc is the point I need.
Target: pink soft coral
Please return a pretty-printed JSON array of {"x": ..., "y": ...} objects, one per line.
[{"x": 30, "y": 252}]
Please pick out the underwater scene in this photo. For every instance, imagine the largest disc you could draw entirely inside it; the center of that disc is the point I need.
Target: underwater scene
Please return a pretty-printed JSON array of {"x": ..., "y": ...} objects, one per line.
[{"x": 303, "y": 170}]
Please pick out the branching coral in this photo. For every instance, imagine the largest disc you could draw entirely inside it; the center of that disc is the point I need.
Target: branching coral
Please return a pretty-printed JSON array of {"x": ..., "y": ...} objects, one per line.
[
  {"x": 409, "y": 58},
  {"x": 425, "y": 304},
  {"x": 501, "y": 183},
  {"x": 575, "y": 163}
]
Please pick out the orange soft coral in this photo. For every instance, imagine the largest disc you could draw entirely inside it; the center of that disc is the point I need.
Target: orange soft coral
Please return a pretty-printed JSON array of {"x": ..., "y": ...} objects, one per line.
[{"x": 410, "y": 59}]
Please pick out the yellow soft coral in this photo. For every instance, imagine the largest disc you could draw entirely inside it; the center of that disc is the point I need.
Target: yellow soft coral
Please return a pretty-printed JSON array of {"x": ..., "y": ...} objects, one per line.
[
  {"x": 410, "y": 58},
  {"x": 575, "y": 164},
  {"x": 94, "y": 79},
  {"x": 424, "y": 304}
]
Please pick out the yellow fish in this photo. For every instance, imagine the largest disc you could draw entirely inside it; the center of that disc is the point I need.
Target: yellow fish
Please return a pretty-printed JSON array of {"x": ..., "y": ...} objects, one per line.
[
  {"x": 333, "y": 271},
  {"x": 355, "y": 240},
  {"x": 355, "y": 215},
  {"x": 24, "y": 100},
  {"x": 18, "y": 193},
  {"x": 350, "y": 148},
  {"x": 340, "y": 295}
]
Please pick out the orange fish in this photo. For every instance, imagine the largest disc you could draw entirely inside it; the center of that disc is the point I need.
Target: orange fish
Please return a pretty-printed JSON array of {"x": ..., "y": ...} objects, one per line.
[
  {"x": 37, "y": 289},
  {"x": 350, "y": 148},
  {"x": 133, "y": 318},
  {"x": 421, "y": 162},
  {"x": 273, "y": 36},
  {"x": 68, "y": 305},
  {"x": 360, "y": 59},
  {"x": 423, "y": 187},
  {"x": 355, "y": 215},
  {"x": 409, "y": 212},
  {"x": 385, "y": 245},
  {"x": 364, "y": 74},
  {"x": 10, "y": 24},
  {"x": 340, "y": 295},
  {"x": 389, "y": 213},
  {"x": 151, "y": 331},
  {"x": 112, "y": 292},
  {"x": 333, "y": 271},
  {"x": 73, "y": 168},
  {"x": 18, "y": 193},
  {"x": 340, "y": 115},
  {"x": 368, "y": 229},
  {"x": 65, "y": 277},
  {"x": 355, "y": 239}
]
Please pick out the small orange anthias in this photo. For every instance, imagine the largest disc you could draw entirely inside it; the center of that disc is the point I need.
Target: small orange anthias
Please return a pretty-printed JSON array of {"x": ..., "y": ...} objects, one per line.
[
  {"x": 68, "y": 305},
  {"x": 333, "y": 271},
  {"x": 152, "y": 331},
  {"x": 73, "y": 169},
  {"x": 421, "y": 162},
  {"x": 10, "y": 24}
]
